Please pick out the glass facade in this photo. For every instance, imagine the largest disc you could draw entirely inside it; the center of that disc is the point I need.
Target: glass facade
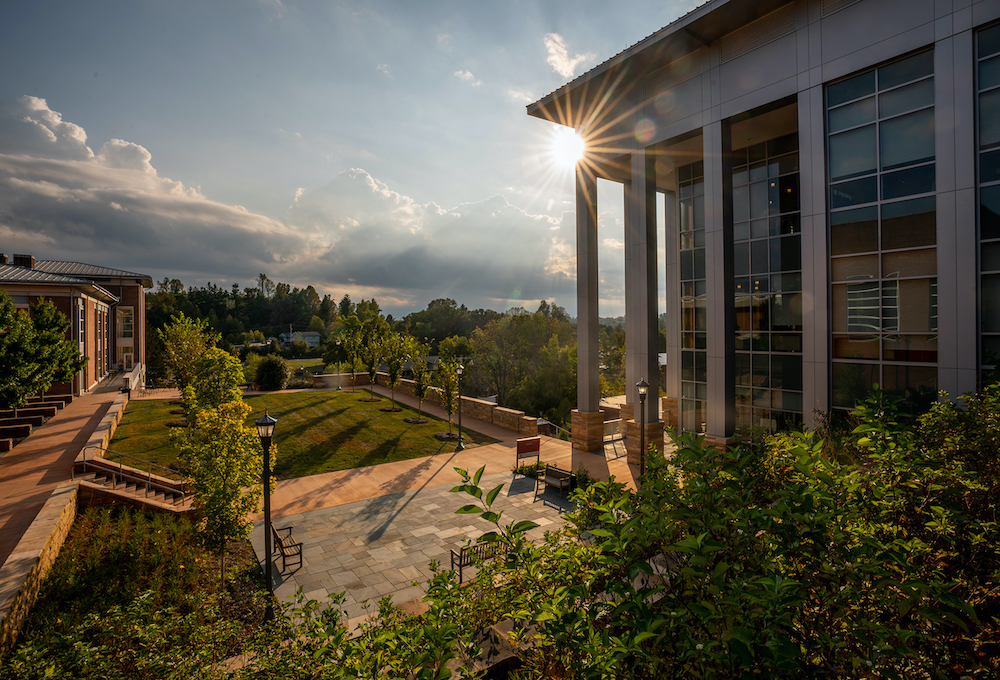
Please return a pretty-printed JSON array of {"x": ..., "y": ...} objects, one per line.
[
  {"x": 988, "y": 115},
  {"x": 767, "y": 267},
  {"x": 883, "y": 231},
  {"x": 694, "y": 355}
]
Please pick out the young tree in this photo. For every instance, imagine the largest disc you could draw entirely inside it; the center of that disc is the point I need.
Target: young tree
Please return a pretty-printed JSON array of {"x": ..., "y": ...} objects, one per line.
[
  {"x": 418, "y": 360},
  {"x": 373, "y": 334},
  {"x": 184, "y": 340},
  {"x": 351, "y": 339},
  {"x": 225, "y": 465},
  {"x": 446, "y": 379},
  {"x": 457, "y": 348},
  {"x": 217, "y": 376},
  {"x": 394, "y": 350}
]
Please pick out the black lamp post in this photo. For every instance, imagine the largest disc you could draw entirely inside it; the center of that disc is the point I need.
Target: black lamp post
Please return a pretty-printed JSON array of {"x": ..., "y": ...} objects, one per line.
[
  {"x": 265, "y": 428},
  {"x": 643, "y": 387},
  {"x": 460, "y": 370},
  {"x": 339, "y": 362}
]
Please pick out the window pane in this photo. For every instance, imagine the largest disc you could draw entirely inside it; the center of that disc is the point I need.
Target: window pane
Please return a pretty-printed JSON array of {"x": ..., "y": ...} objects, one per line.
[
  {"x": 741, "y": 204},
  {"x": 989, "y": 118},
  {"x": 786, "y": 312},
  {"x": 908, "y": 224},
  {"x": 854, "y": 192},
  {"x": 786, "y": 342},
  {"x": 854, "y": 231},
  {"x": 861, "y": 304},
  {"x": 991, "y": 303},
  {"x": 917, "y": 311},
  {"x": 760, "y": 319},
  {"x": 743, "y": 369},
  {"x": 989, "y": 41},
  {"x": 911, "y": 381},
  {"x": 786, "y": 253},
  {"x": 852, "y": 152},
  {"x": 788, "y": 164},
  {"x": 852, "y": 114},
  {"x": 991, "y": 349},
  {"x": 789, "y": 283},
  {"x": 759, "y": 228},
  {"x": 907, "y": 139},
  {"x": 786, "y": 371},
  {"x": 699, "y": 263},
  {"x": 687, "y": 365},
  {"x": 687, "y": 265},
  {"x": 761, "y": 372},
  {"x": 989, "y": 167},
  {"x": 744, "y": 314},
  {"x": 989, "y": 212},
  {"x": 853, "y": 268},
  {"x": 855, "y": 346},
  {"x": 788, "y": 193},
  {"x": 758, "y": 257},
  {"x": 699, "y": 212},
  {"x": 989, "y": 73},
  {"x": 853, "y": 88},
  {"x": 991, "y": 257},
  {"x": 910, "y": 348},
  {"x": 906, "y": 98},
  {"x": 919, "y": 180},
  {"x": 741, "y": 259},
  {"x": 905, "y": 70},
  {"x": 910, "y": 263},
  {"x": 782, "y": 145},
  {"x": 786, "y": 224},
  {"x": 852, "y": 382},
  {"x": 758, "y": 199}
]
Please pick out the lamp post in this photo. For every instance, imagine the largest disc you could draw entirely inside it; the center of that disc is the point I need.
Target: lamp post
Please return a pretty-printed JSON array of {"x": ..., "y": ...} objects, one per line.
[
  {"x": 460, "y": 370},
  {"x": 643, "y": 387},
  {"x": 265, "y": 428},
  {"x": 338, "y": 365}
]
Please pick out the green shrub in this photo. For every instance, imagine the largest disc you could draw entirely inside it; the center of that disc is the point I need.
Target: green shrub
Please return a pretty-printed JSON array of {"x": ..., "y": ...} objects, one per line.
[{"x": 272, "y": 373}]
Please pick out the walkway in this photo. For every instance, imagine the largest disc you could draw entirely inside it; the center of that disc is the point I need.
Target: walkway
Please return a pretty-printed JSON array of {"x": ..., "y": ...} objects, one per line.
[{"x": 32, "y": 469}]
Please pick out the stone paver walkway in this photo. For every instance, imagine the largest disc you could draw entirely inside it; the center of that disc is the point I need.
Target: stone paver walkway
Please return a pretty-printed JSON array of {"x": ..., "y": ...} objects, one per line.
[{"x": 377, "y": 547}]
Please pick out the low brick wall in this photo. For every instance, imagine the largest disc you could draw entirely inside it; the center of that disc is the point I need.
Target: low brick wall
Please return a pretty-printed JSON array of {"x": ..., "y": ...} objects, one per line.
[
  {"x": 105, "y": 430},
  {"x": 32, "y": 558}
]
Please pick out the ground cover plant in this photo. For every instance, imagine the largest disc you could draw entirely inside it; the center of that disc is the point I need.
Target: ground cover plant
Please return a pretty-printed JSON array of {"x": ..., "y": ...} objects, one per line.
[
  {"x": 134, "y": 595},
  {"x": 318, "y": 431}
]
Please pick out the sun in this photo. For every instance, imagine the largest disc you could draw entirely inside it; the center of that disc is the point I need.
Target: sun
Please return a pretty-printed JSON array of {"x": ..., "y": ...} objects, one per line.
[{"x": 567, "y": 147}]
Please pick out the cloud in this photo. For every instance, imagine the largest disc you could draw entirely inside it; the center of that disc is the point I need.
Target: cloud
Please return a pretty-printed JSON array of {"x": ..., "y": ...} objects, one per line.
[
  {"x": 467, "y": 77},
  {"x": 559, "y": 58},
  {"x": 355, "y": 235},
  {"x": 520, "y": 96},
  {"x": 444, "y": 42},
  {"x": 273, "y": 9},
  {"x": 384, "y": 69}
]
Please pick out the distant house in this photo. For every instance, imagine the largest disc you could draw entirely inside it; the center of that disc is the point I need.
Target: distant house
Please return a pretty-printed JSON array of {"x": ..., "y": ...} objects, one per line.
[
  {"x": 311, "y": 338},
  {"x": 107, "y": 308}
]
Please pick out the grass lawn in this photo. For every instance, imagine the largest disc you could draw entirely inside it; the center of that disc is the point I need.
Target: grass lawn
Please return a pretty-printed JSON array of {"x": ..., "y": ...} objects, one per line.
[{"x": 316, "y": 432}]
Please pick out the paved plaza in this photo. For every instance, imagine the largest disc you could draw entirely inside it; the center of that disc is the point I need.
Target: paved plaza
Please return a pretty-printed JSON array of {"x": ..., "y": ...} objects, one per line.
[{"x": 380, "y": 546}]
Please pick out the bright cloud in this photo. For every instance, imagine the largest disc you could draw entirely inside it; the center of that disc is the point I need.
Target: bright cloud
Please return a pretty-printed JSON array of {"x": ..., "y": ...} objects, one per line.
[
  {"x": 559, "y": 57},
  {"x": 520, "y": 96},
  {"x": 60, "y": 200},
  {"x": 467, "y": 77},
  {"x": 384, "y": 69}
]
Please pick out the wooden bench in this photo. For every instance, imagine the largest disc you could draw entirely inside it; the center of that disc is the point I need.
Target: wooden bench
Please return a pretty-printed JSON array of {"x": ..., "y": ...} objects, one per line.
[
  {"x": 34, "y": 421},
  {"x": 557, "y": 478},
  {"x": 528, "y": 447},
  {"x": 6, "y": 445},
  {"x": 287, "y": 545},
  {"x": 15, "y": 431},
  {"x": 477, "y": 551},
  {"x": 31, "y": 410}
]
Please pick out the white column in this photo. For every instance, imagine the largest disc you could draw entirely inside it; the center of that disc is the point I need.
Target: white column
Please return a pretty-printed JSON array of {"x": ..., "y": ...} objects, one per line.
[{"x": 587, "y": 326}]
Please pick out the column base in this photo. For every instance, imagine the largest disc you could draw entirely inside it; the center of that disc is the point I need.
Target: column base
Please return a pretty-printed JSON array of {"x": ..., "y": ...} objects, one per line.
[
  {"x": 654, "y": 436},
  {"x": 719, "y": 443},
  {"x": 670, "y": 412},
  {"x": 588, "y": 430}
]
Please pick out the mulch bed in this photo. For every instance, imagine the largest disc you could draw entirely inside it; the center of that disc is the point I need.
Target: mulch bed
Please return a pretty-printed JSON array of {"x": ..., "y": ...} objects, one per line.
[
  {"x": 391, "y": 409},
  {"x": 176, "y": 423},
  {"x": 446, "y": 436},
  {"x": 415, "y": 421}
]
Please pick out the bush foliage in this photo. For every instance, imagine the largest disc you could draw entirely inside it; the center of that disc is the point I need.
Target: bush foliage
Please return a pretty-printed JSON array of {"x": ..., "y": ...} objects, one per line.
[{"x": 272, "y": 373}]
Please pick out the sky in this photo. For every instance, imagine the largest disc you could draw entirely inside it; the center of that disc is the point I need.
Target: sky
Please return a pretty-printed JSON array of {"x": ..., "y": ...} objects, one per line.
[{"x": 376, "y": 148}]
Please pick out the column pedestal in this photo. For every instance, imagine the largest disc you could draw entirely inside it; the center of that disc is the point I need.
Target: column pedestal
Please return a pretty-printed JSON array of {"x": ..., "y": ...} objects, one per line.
[
  {"x": 588, "y": 430},
  {"x": 654, "y": 435},
  {"x": 670, "y": 409}
]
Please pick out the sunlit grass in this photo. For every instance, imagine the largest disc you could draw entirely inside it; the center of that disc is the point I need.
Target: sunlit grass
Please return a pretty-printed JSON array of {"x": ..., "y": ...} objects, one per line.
[{"x": 316, "y": 432}]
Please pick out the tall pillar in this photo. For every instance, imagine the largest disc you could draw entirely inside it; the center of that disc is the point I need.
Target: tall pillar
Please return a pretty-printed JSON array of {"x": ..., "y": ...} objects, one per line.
[
  {"x": 640, "y": 291},
  {"x": 587, "y": 419},
  {"x": 672, "y": 288},
  {"x": 720, "y": 327}
]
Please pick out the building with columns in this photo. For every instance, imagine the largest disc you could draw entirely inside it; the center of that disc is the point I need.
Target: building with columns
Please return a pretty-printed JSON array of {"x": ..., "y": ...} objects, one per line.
[{"x": 828, "y": 173}]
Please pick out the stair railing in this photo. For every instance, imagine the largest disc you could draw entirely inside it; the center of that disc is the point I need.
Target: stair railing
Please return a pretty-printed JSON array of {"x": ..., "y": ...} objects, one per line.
[{"x": 125, "y": 477}]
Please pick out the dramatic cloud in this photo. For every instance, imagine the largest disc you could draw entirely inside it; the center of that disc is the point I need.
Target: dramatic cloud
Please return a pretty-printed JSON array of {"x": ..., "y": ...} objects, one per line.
[
  {"x": 559, "y": 58},
  {"x": 60, "y": 200},
  {"x": 467, "y": 77}
]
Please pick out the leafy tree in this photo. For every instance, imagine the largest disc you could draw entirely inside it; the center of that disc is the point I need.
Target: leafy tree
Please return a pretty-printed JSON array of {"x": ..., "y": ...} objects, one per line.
[
  {"x": 417, "y": 353},
  {"x": 394, "y": 351},
  {"x": 272, "y": 373},
  {"x": 346, "y": 307},
  {"x": 351, "y": 345},
  {"x": 373, "y": 334},
  {"x": 456, "y": 348},
  {"x": 184, "y": 340},
  {"x": 299, "y": 348},
  {"x": 446, "y": 379},
  {"x": 34, "y": 352},
  {"x": 217, "y": 377},
  {"x": 225, "y": 465}
]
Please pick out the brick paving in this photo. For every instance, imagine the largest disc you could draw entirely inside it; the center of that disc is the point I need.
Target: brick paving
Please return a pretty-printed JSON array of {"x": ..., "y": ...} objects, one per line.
[{"x": 378, "y": 547}]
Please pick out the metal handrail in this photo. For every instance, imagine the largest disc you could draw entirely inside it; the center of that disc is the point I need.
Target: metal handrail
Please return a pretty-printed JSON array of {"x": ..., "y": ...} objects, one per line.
[{"x": 146, "y": 481}]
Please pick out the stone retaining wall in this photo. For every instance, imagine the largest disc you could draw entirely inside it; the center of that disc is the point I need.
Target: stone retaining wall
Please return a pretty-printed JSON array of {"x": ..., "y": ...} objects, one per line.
[{"x": 25, "y": 569}]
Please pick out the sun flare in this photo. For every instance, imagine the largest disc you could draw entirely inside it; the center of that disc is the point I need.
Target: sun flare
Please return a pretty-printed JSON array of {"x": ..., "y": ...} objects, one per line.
[{"x": 567, "y": 147}]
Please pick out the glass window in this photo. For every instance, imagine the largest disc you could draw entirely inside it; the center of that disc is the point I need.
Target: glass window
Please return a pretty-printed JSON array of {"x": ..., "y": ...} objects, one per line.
[
  {"x": 905, "y": 70},
  {"x": 786, "y": 312},
  {"x": 989, "y": 73},
  {"x": 854, "y": 192},
  {"x": 908, "y": 224},
  {"x": 906, "y": 98},
  {"x": 989, "y": 41},
  {"x": 854, "y": 231},
  {"x": 989, "y": 118},
  {"x": 991, "y": 303},
  {"x": 907, "y": 139},
  {"x": 916, "y": 305},
  {"x": 855, "y": 346},
  {"x": 989, "y": 167},
  {"x": 909, "y": 263},
  {"x": 853, "y": 268},
  {"x": 852, "y": 382},
  {"x": 918, "y": 348},
  {"x": 990, "y": 256},
  {"x": 989, "y": 212},
  {"x": 853, "y": 153},
  {"x": 918, "y": 180},
  {"x": 849, "y": 89},
  {"x": 786, "y": 253},
  {"x": 851, "y": 115}
]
